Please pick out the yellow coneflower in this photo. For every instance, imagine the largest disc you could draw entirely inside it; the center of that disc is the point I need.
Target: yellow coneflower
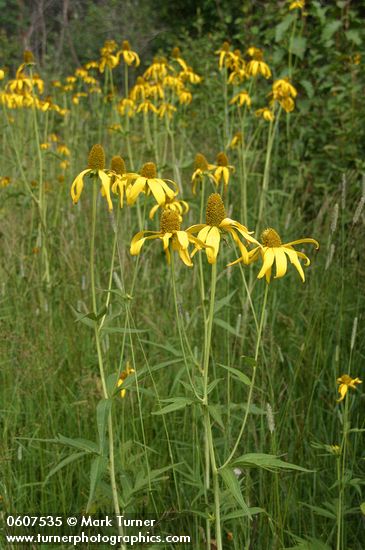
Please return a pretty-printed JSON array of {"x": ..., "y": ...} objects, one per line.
[
  {"x": 45, "y": 146},
  {"x": 297, "y": 4},
  {"x": 166, "y": 109},
  {"x": 201, "y": 168},
  {"x": 4, "y": 181},
  {"x": 237, "y": 76},
  {"x": 185, "y": 97},
  {"x": 266, "y": 113},
  {"x": 176, "y": 54},
  {"x": 118, "y": 182},
  {"x": 126, "y": 106},
  {"x": 62, "y": 149},
  {"x": 257, "y": 64},
  {"x": 147, "y": 106},
  {"x": 224, "y": 54},
  {"x": 157, "y": 70},
  {"x": 148, "y": 182},
  {"x": 236, "y": 140},
  {"x": 108, "y": 57},
  {"x": 242, "y": 98},
  {"x": 223, "y": 170},
  {"x": 170, "y": 233},
  {"x": 274, "y": 251},
  {"x": 216, "y": 222},
  {"x": 283, "y": 92},
  {"x": 346, "y": 382},
  {"x": 139, "y": 90},
  {"x": 123, "y": 375},
  {"x": 129, "y": 56},
  {"x": 96, "y": 168},
  {"x": 174, "y": 204},
  {"x": 188, "y": 74}
]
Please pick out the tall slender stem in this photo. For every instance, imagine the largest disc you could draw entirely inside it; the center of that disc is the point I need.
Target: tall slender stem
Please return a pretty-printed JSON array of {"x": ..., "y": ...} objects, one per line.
[
  {"x": 113, "y": 482},
  {"x": 258, "y": 342}
]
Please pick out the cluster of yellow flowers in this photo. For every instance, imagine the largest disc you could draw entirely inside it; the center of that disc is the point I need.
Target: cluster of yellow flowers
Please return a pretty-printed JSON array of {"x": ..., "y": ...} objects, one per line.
[
  {"x": 25, "y": 89},
  {"x": 163, "y": 86},
  {"x": 240, "y": 70},
  {"x": 215, "y": 172},
  {"x": 56, "y": 145},
  {"x": 81, "y": 84},
  {"x": 117, "y": 180}
]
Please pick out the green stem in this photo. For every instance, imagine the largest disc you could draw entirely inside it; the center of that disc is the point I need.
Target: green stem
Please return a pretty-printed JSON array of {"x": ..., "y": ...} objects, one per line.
[
  {"x": 100, "y": 358},
  {"x": 258, "y": 342}
]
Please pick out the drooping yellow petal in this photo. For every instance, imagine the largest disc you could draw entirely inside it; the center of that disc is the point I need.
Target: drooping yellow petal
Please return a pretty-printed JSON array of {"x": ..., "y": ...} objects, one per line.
[
  {"x": 182, "y": 237},
  {"x": 269, "y": 257},
  {"x": 105, "y": 183},
  {"x": 78, "y": 185},
  {"x": 135, "y": 189},
  {"x": 157, "y": 190},
  {"x": 139, "y": 238},
  {"x": 294, "y": 260},
  {"x": 280, "y": 262},
  {"x": 213, "y": 240},
  {"x": 300, "y": 241}
]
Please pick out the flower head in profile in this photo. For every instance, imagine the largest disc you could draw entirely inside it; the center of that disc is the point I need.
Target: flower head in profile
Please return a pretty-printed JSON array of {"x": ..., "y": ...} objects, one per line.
[
  {"x": 266, "y": 113},
  {"x": 174, "y": 204},
  {"x": 170, "y": 233},
  {"x": 129, "y": 56},
  {"x": 108, "y": 56},
  {"x": 96, "y": 168},
  {"x": 123, "y": 375},
  {"x": 148, "y": 182},
  {"x": 284, "y": 93},
  {"x": 236, "y": 140},
  {"x": 240, "y": 99},
  {"x": 223, "y": 170},
  {"x": 345, "y": 382},
  {"x": 217, "y": 223},
  {"x": 201, "y": 168},
  {"x": 118, "y": 182},
  {"x": 297, "y": 4},
  {"x": 224, "y": 53},
  {"x": 273, "y": 251},
  {"x": 257, "y": 64}
]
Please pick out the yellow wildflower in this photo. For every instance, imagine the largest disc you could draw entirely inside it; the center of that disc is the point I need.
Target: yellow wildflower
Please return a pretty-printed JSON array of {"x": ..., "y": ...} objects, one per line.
[
  {"x": 185, "y": 97},
  {"x": 126, "y": 106},
  {"x": 274, "y": 251},
  {"x": 242, "y": 98},
  {"x": 257, "y": 65},
  {"x": 170, "y": 232},
  {"x": 201, "y": 168},
  {"x": 223, "y": 169},
  {"x": 174, "y": 204},
  {"x": 96, "y": 168},
  {"x": 166, "y": 109},
  {"x": 297, "y": 4},
  {"x": 129, "y": 57},
  {"x": 216, "y": 222},
  {"x": 118, "y": 182},
  {"x": 148, "y": 182},
  {"x": 346, "y": 382},
  {"x": 124, "y": 374},
  {"x": 62, "y": 149},
  {"x": 146, "y": 106},
  {"x": 236, "y": 140},
  {"x": 108, "y": 57},
  {"x": 266, "y": 113},
  {"x": 4, "y": 181}
]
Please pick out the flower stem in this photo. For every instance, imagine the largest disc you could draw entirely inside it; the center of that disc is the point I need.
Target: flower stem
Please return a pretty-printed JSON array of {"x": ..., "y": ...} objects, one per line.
[
  {"x": 100, "y": 359},
  {"x": 258, "y": 342},
  {"x": 208, "y": 436}
]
